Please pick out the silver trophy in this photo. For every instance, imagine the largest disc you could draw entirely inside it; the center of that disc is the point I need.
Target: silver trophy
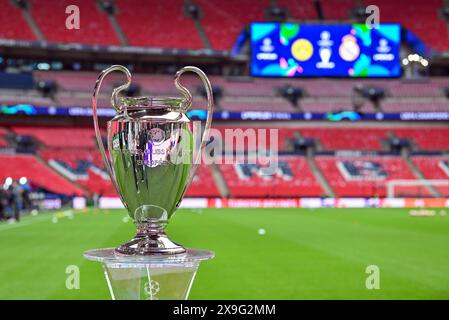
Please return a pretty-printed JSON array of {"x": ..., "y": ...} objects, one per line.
[{"x": 154, "y": 150}]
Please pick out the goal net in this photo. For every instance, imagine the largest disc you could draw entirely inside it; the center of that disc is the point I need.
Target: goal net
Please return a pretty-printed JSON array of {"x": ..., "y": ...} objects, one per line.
[{"x": 417, "y": 188}]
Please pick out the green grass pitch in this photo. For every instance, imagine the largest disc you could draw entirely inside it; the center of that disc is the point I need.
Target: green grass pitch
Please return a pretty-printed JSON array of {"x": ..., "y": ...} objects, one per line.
[{"x": 304, "y": 253}]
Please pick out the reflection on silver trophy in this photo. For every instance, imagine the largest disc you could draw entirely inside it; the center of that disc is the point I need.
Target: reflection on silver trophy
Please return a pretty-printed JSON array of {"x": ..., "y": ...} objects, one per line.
[{"x": 153, "y": 154}]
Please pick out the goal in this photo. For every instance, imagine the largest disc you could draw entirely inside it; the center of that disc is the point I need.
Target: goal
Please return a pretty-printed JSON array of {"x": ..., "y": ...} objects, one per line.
[{"x": 417, "y": 188}]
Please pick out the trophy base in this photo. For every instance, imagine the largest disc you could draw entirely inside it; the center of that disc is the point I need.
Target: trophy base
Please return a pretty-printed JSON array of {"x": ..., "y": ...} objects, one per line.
[
  {"x": 149, "y": 277},
  {"x": 149, "y": 244}
]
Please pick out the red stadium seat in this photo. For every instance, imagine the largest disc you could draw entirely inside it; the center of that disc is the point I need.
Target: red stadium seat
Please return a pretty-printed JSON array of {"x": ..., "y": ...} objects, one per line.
[
  {"x": 154, "y": 23},
  {"x": 13, "y": 24},
  {"x": 94, "y": 183},
  {"x": 95, "y": 27},
  {"x": 17, "y": 166},
  {"x": 427, "y": 138},
  {"x": 203, "y": 184},
  {"x": 299, "y": 9},
  {"x": 395, "y": 168},
  {"x": 429, "y": 26},
  {"x": 432, "y": 168},
  {"x": 301, "y": 184},
  {"x": 224, "y": 20},
  {"x": 60, "y": 137}
]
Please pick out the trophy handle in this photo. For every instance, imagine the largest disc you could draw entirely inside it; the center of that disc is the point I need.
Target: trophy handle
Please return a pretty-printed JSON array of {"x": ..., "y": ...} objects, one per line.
[
  {"x": 115, "y": 104},
  {"x": 210, "y": 108}
]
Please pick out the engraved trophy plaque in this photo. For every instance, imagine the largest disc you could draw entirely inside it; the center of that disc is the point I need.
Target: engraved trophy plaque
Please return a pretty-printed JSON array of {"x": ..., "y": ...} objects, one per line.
[{"x": 153, "y": 152}]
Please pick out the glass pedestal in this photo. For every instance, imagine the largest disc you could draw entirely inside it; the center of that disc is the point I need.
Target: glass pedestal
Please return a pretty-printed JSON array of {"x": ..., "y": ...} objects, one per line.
[{"x": 168, "y": 277}]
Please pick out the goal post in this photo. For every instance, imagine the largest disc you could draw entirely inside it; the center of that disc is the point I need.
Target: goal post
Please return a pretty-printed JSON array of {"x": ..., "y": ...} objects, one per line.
[{"x": 440, "y": 186}]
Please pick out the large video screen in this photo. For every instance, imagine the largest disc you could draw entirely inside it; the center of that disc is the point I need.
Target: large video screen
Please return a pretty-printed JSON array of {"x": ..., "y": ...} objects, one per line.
[{"x": 297, "y": 50}]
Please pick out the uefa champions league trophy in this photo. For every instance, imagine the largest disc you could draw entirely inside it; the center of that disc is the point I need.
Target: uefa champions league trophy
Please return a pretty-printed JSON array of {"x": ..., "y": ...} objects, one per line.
[{"x": 154, "y": 150}]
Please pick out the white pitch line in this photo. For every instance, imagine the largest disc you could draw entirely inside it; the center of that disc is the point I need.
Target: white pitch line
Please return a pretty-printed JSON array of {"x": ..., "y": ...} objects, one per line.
[
  {"x": 33, "y": 220},
  {"x": 22, "y": 223}
]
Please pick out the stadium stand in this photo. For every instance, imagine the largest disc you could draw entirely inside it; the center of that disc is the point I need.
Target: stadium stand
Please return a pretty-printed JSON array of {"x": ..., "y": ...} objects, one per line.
[
  {"x": 74, "y": 150},
  {"x": 321, "y": 95},
  {"x": 299, "y": 9},
  {"x": 3, "y": 143},
  {"x": 234, "y": 14},
  {"x": 435, "y": 168},
  {"x": 141, "y": 30},
  {"x": 60, "y": 137},
  {"x": 84, "y": 166},
  {"x": 346, "y": 139},
  {"x": 94, "y": 25},
  {"x": 17, "y": 166},
  {"x": 432, "y": 167},
  {"x": 337, "y": 9},
  {"x": 356, "y": 138},
  {"x": 132, "y": 16},
  {"x": 405, "y": 105},
  {"x": 293, "y": 177},
  {"x": 429, "y": 19},
  {"x": 12, "y": 16},
  {"x": 203, "y": 184},
  {"x": 363, "y": 176},
  {"x": 426, "y": 138}
]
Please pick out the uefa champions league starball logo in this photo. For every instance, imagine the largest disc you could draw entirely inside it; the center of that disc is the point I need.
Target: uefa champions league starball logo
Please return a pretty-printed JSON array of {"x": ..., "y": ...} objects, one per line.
[
  {"x": 151, "y": 289},
  {"x": 157, "y": 136}
]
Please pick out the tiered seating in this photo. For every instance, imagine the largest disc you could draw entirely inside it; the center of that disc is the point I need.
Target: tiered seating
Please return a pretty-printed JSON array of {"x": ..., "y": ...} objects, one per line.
[
  {"x": 163, "y": 24},
  {"x": 432, "y": 168},
  {"x": 75, "y": 81},
  {"x": 429, "y": 138},
  {"x": 17, "y": 166},
  {"x": 425, "y": 138},
  {"x": 406, "y": 105},
  {"x": 13, "y": 24},
  {"x": 426, "y": 23},
  {"x": 305, "y": 9},
  {"x": 346, "y": 139},
  {"x": 326, "y": 105},
  {"x": 3, "y": 142},
  {"x": 224, "y": 20},
  {"x": 94, "y": 25},
  {"x": 203, "y": 184},
  {"x": 323, "y": 95},
  {"x": 238, "y": 105},
  {"x": 337, "y": 9},
  {"x": 71, "y": 157},
  {"x": 154, "y": 23},
  {"x": 60, "y": 137},
  {"x": 300, "y": 183},
  {"x": 299, "y": 9},
  {"x": 33, "y": 97},
  {"x": 431, "y": 88},
  {"x": 394, "y": 167}
]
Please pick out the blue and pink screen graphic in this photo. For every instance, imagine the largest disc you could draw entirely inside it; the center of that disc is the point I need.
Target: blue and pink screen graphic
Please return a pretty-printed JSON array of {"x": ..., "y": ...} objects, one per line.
[{"x": 295, "y": 50}]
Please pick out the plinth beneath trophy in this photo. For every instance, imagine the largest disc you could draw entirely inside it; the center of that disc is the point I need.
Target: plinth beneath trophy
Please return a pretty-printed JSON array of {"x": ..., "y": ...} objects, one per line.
[{"x": 164, "y": 277}]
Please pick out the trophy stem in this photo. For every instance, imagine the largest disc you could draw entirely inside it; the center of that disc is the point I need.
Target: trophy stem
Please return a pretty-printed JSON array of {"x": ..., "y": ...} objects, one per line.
[{"x": 150, "y": 240}]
